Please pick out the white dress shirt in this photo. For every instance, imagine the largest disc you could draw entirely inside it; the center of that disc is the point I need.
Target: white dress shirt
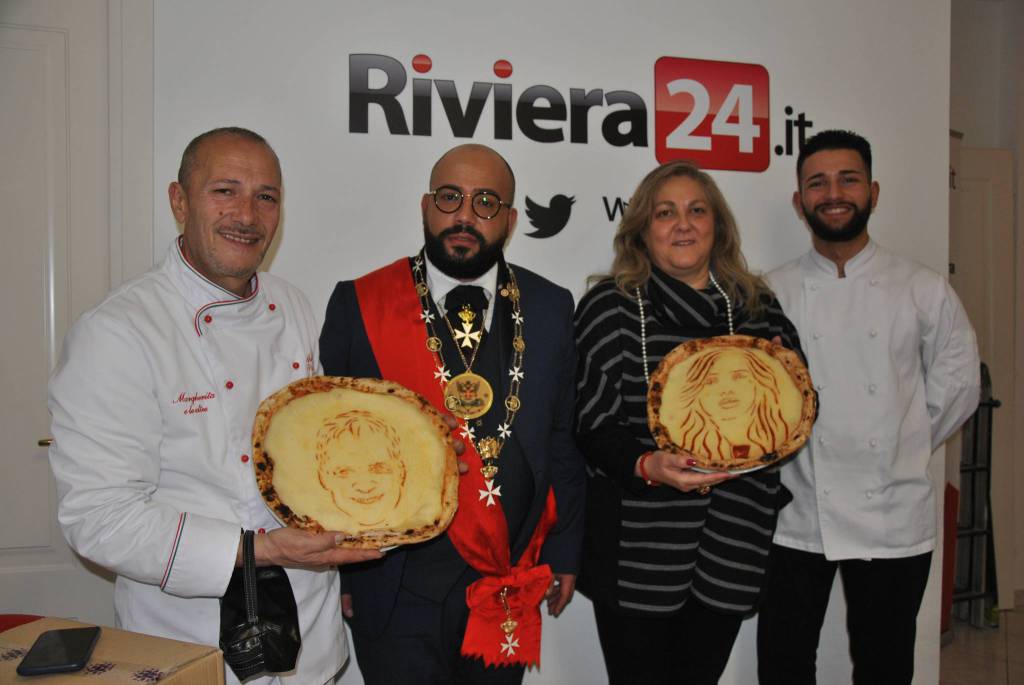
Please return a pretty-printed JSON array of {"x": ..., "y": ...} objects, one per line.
[
  {"x": 440, "y": 284},
  {"x": 153, "y": 403},
  {"x": 895, "y": 362}
]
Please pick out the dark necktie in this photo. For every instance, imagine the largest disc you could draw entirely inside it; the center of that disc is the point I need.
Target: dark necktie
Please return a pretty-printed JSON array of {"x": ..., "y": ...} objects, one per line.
[{"x": 465, "y": 306}]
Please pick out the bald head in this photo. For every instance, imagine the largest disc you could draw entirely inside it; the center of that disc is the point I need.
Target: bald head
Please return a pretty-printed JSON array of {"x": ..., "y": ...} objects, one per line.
[
  {"x": 481, "y": 159},
  {"x": 458, "y": 240},
  {"x": 194, "y": 150}
]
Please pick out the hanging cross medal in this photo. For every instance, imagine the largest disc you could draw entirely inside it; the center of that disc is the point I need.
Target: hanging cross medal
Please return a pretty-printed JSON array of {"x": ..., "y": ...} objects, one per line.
[
  {"x": 467, "y": 336},
  {"x": 508, "y": 626},
  {"x": 490, "y": 493},
  {"x": 468, "y": 395}
]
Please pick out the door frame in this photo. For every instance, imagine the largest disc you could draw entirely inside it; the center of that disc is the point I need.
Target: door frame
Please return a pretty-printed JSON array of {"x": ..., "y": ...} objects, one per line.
[{"x": 131, "y": 47}]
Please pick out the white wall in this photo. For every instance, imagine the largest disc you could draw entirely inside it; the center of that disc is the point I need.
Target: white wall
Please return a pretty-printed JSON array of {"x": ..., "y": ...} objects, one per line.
[
  {"x": 975, "y": 71},
  {"x": 878, "y": 67}
]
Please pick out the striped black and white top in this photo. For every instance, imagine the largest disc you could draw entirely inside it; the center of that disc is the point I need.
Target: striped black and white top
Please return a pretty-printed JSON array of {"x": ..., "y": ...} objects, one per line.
[{"x": 646, "y": 550}]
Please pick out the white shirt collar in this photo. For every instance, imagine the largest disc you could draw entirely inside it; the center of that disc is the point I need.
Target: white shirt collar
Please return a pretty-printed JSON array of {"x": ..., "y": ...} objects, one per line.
[
  {"x": 440, "y": 284},
  {"x": 204, "y": 296},
  {"x": 852, "y": 267}
]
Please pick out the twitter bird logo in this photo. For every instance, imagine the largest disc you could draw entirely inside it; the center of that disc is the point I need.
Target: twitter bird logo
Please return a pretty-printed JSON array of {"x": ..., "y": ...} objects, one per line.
[{"x": 549, "y": 220}]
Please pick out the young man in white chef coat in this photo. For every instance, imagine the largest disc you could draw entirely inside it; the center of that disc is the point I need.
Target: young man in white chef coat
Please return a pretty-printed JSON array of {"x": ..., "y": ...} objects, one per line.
[
  {"x": 895, "y": 362},
  {"x": 153, "y": 402}
]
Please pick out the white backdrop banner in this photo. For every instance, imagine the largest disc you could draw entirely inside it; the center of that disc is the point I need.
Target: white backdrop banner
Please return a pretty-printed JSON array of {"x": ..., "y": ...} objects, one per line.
[{"x": 583, "y": 99}]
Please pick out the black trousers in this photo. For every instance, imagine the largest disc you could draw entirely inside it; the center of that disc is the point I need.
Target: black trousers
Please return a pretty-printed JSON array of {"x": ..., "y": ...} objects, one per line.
[
  {"x": 690, "y": 647},
  {"x": 882, "y": 600},
  {"x": 421, "y": 646}
]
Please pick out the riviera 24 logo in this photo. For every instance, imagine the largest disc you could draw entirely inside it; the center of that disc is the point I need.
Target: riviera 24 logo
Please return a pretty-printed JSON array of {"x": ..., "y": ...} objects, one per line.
[
  {"x": 540, "y": 112},
  {"x": 712, "y": 112}
]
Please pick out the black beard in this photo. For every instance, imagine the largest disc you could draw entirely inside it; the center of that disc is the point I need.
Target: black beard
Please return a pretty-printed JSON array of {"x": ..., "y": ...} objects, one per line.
[
  {"x": 853, "y": 228},
  {"x": 460, "y": 266}
]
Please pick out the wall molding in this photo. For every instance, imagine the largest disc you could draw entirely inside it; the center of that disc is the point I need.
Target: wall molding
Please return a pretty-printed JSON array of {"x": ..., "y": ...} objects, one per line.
[{"x": 130, "y": 90}]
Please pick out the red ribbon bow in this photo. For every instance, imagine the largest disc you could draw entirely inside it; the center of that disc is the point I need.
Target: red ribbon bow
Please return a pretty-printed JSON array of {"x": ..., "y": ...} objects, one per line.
[{"x": 485, "y": 638}]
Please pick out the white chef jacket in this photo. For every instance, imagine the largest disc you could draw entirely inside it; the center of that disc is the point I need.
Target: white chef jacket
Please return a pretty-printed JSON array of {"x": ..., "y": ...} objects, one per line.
[
  {"x": 153, "y": 403},
  {"x": 895, "y": 362}
]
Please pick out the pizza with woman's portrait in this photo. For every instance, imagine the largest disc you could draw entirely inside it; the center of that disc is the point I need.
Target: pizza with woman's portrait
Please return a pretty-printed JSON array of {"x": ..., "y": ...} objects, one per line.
[{"x": 732, "y": 402}]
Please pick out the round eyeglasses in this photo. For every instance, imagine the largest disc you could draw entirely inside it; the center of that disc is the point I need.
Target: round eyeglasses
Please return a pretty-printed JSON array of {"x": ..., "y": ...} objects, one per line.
[{"x": 485, "y": 204}]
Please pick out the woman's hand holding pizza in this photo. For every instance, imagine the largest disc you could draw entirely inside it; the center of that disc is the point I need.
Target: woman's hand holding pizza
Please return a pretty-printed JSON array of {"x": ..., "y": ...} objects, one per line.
[{"x": 675, "y": 470}]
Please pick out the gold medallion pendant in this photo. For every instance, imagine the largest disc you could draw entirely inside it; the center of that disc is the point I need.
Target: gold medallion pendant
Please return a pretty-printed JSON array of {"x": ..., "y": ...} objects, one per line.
[{"x": 468, "y": 395}]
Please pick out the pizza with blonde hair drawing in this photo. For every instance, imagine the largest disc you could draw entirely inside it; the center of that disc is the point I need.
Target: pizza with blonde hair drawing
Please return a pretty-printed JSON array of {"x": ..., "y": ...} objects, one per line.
[{"x": 732, "y": 402}]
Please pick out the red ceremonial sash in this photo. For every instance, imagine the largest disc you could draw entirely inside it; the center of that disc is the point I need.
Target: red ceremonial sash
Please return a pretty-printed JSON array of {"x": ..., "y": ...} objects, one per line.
[{"x": 397, "y": 333}]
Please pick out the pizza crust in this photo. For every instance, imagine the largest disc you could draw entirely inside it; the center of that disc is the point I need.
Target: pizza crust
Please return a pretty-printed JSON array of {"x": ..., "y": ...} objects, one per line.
[
  {"x": 366, "y": 457},
  {"x": 733, "y": 402}
]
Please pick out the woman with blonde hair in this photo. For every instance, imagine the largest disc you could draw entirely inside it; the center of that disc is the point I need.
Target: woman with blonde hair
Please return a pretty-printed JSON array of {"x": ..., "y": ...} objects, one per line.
[
  {"x": 673, "y": 559},
  {"x": 731, "y": 406}
]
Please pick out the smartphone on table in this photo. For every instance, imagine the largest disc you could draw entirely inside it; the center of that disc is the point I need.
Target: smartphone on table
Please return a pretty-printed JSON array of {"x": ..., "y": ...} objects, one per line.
[{"x": 60, "y": 651}]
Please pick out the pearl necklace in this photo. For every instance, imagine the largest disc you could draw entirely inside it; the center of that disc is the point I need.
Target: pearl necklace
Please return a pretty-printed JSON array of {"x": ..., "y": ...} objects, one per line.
[
  {"x": 643, "y": 335},
  {"x": 643, "y": 322},
  {"x": 728, "y": 304}
]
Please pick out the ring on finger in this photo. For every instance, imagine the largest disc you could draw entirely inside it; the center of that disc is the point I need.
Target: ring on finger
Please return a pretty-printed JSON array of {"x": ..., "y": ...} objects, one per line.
[{"x": 704, "y": 489}]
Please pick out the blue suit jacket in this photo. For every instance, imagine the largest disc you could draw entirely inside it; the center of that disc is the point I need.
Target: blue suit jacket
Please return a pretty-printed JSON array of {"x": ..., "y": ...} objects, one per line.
[{"x": 543, "y": 428}]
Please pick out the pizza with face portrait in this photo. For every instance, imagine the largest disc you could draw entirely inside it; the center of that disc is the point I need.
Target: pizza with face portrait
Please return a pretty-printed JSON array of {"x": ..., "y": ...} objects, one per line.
[
  {"x": 733, "y": 402},
  {"x": 366, "y": 457}
]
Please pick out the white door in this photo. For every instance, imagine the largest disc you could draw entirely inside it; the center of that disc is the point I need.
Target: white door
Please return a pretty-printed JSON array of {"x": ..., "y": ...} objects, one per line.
[
  {"x": 981, "y": 250},
  {"x": 55, "y": 190}
]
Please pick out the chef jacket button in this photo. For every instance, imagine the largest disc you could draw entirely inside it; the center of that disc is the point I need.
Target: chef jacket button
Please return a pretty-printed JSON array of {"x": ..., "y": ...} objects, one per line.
[
  {"x": 295, "y": 365},
  {"x": 826, "y": 491},
  {"x": 817, "y": 335},
  {"x": 873, "y": 443},
  {"x": 272, "y": 306},
  {"x": 229, "y": 385},
  {"x": 819, "y": 387},
  {"x": 245, "y": 458},
  {"x": 869, "y": 494},
  {"x": 208, "y": 318},
  {"x": 872, "y": 388},
  {"x": 821, "y": 441},
  {"x": 873, "y": 333},
  {"x": 814, "y": 287},
  {"x": 874, "y": 281}
]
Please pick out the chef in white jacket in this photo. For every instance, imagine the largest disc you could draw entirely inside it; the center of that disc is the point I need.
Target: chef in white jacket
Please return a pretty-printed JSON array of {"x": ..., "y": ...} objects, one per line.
[
  {"x": 153, "y": 402},
  {"x": 895, "y": 363}
]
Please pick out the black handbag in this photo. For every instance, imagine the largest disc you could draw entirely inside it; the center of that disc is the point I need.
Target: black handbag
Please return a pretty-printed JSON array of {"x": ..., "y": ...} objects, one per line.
[{"x": 259, "y": 622}]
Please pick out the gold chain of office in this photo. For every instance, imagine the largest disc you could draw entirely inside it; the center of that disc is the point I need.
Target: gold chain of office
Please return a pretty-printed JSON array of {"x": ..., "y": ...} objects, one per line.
[{"x": 469, "y": 395}]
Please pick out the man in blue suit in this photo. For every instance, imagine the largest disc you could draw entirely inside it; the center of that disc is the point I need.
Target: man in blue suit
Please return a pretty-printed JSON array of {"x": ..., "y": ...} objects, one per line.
[{"x": 492, "y": 344}]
